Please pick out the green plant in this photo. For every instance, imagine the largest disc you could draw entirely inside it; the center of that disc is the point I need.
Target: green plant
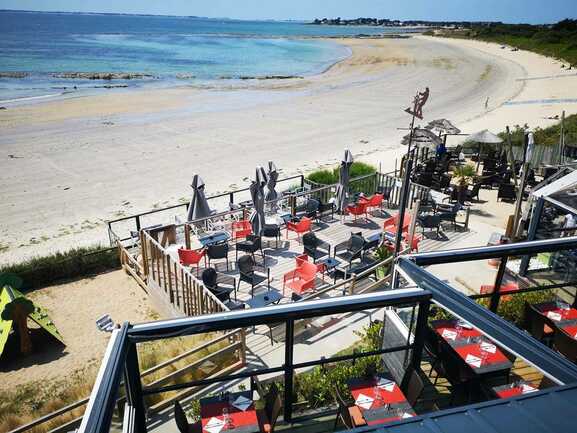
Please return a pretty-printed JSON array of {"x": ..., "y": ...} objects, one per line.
[
  {"x": 78, "y": 262},
  {"x": 330, "y": 177},
  {"x": 464, "y": 174},
  {"x": 512, "y": 308},
  {"x": 323, "y": 177},
  {"x": 381, "y": 254}
]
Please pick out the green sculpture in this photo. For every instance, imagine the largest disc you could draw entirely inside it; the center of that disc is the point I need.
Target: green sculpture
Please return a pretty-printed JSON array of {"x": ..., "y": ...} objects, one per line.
[{"x": 16, "y": 309}]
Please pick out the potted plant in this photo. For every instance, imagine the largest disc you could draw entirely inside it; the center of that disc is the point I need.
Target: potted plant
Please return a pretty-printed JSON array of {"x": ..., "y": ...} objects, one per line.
[{"x": 463, "y": 176}]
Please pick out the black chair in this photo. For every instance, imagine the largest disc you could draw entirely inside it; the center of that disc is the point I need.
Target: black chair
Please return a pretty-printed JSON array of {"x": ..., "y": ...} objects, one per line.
[
  {"x": 538, "y": 325},
  {"x": 251, "y": 245},
  {"x": 350, "y": 250},
  {"x": 429, "y": 221},
  {"x": 312, "y": 209},
  {"x": 314, "y": 247},
  {"x": 252, "y": 273},
  {"x": 506, "y": 192},
  {"x": 182, "y": 422},
  {"x": 272, "y": 231},
  {"x": 565, "y": 344},
  {"x": 217, "y": 251},
  {"x": 449, "y": 213},
  {"x": 267, "y": 417},
  {"x": 474, "y": 192},
  {"x": 349, "y": 415},
  {"x": 325, "y": 208},
  {"x": 457, "y": 373},
  {"x": 220, "y": 285},
  {"x": 413, "y": 386}
]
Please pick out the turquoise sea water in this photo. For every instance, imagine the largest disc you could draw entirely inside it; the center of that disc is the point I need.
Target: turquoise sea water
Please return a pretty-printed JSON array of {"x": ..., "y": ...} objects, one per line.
[{"x": 172, "y": 49}]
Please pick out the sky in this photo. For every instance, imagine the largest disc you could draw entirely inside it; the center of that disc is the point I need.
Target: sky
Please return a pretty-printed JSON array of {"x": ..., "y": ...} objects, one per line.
[{"x": 512, "y": 11}]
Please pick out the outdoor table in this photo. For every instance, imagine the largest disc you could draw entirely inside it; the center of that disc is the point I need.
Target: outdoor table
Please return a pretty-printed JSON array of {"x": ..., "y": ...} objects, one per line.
[
  {"x": 215, "y": 238},
  {"x": 520, "y": 387},
  {"x": 241, "y": 415},
  {"x": 562, "y": 314},
  {"x": 328, "y": 265},
  {"x": 373, "y": 241},
  {"x": 380, "y": 399},
  {"x": 477, "y": 352},
  {"x": 264, "y": 299}
]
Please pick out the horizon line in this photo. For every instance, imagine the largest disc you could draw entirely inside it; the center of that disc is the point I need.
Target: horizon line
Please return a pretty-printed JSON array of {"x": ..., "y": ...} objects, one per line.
[{"x": 259, "y": 19}]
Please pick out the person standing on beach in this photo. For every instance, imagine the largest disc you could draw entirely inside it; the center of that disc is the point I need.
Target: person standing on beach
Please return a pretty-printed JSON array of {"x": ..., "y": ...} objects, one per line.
[{"x": 487, "y": 103}]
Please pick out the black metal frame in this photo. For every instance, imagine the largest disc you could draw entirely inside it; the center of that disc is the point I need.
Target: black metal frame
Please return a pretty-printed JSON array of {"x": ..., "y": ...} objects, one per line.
[
  {"x": 122, "y": 355},
  {"x": 509, "y": 336},
  {"x": 124, "y": 359}
]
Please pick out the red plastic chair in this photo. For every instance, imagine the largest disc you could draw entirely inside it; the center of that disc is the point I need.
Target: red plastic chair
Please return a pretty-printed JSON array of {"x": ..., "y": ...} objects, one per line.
[
  {"x": 302, "y": 226},
  {"x": 305, "y": 258},
  {"x": 241, "y": 229},
  {"x": 390, "y": 224},
  {"x": 414, "y": 242},
  {"x": 374, "y": 202},
  {"x": 511, "y": 286},
  {"x": 191, "y": 257},
  {"x": 358, "y": 210},
  {"x": 301, "y": 279}
]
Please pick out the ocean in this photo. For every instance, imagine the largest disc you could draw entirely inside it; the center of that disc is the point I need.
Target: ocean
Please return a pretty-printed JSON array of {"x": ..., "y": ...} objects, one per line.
[{"x": 40, "y": 52}]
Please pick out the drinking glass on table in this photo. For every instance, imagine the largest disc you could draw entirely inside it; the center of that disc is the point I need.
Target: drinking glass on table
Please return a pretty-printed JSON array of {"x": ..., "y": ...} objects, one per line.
[
  {"x": 226, "y": 417},
  {"x": 377, "y": 392}
]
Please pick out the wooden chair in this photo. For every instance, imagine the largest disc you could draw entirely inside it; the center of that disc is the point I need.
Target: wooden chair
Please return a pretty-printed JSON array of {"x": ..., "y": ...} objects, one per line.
[
  {"x": 565, "y": 344},
  {"x": 182, "y": 422},
  {"x": 349, "y": 415},
  {"x": 539, "y": 326},
  {"x": 268, "y": 416}
]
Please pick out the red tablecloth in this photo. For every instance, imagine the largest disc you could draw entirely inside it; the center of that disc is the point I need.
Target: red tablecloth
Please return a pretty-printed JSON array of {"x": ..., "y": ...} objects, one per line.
[
  {"x": 212, "y": 408},
  {"x": 451, "y": 325},
  {"x": 475, "y": 349},
  {"x": 506, "y": 391},
  {"x": 377, "y": 413},
  {"x": 570, "y": 314},
  {"x": 570, "y": 329}
]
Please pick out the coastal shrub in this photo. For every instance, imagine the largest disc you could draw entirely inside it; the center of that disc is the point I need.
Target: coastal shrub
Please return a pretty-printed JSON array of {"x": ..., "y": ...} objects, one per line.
[
  {"x": 330, "y": 177},
  {"x": 323, "y": 177},
  {"x": 78, "y": 262},
  {"x": 545, "y": 136},
  {"x": 556, "y": 41}
]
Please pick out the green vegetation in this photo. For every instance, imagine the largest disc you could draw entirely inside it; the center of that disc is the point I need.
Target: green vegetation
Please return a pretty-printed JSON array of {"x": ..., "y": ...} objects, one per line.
[
  {"x": 315, "y": 387},
  {"x": 330, "y": 177},
  {"x": 78, "y": 262},
  {"x": 28, "y": 402},
  {"x": 545, "y": 136},
  {"x": 511, "y": 307},
  {"x": 558, "y": 40}
]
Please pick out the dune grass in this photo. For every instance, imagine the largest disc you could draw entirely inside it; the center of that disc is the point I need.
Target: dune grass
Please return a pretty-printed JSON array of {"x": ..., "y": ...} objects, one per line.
[
  {"x": 558, "y": 41},
  {"x": 33, "y": 400},
  {"x": 330, "y": 177},
  {"x": 77, "y": 262}
]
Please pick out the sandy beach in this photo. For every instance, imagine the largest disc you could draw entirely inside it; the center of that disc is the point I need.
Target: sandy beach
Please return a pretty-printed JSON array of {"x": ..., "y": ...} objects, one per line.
[{"x": 66, "y": 166}]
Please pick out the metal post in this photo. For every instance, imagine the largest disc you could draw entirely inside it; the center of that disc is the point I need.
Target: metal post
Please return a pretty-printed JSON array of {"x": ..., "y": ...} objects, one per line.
[
  {"x": 288, "y": 370},
  {"x": 496, "y": 296},
  {"x": 532, "y": 232},
  {"x": 133, "y": 387},
  {"x": 419, "y": 341},
  {"x": 403, "y": 204},
  {"x": 562, "y": 139},
  {"x": 524, "y": 171},
  {"x": 137, "y": 223}
]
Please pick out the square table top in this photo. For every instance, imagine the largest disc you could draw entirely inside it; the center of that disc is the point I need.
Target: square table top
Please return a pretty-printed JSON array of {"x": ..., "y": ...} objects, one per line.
[
  {"x": 242, "y": 421},
  {"x": 390, "y": 404},
  {"x": 475, "y": 350},
  {"x": 214, "y": 238},
  {"x": 558, "y": 314},
  {"x": 329, "y": 262},
  {"x": 264, "y": 299}
]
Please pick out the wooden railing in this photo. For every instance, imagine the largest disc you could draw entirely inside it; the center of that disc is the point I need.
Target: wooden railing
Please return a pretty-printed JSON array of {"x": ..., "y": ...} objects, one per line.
[{"x": 174, "y": 283}]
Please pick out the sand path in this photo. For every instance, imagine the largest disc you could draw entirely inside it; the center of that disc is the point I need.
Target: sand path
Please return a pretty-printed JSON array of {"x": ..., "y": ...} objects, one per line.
[{"x": 65, "y": 166}]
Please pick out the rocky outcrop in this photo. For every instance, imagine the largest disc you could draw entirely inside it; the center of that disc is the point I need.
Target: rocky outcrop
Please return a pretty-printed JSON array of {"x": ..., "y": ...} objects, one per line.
[{"x": 103, "y": 75}]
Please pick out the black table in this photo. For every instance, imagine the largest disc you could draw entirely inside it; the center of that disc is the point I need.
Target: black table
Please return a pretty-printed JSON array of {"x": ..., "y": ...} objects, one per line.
[
  {"x": 265, "y": 299},
  {"x": 330, "y": 263},
  {"x": 213, "y": 239}
]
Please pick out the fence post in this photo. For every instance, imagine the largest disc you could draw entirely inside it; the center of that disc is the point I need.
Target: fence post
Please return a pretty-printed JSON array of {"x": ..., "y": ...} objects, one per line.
[
  {"x": 419, "y": 341},
  {"x": 302, "y": 181},
  {"x": 137, "y": 223},
  {"x": 288, "y": 371},
  {"x": 133, "y": 387},
  {"x": 496, "y": 296}
]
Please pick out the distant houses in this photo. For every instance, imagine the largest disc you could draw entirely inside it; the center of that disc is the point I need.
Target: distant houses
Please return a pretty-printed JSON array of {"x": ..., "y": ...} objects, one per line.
[{"x": 384, "y": 22}]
